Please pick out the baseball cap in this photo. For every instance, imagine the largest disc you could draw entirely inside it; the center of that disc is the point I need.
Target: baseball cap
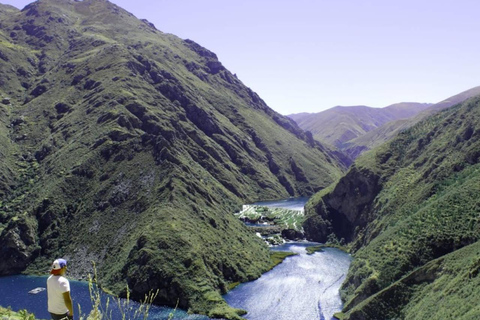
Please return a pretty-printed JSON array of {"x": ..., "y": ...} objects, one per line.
[{"x": 59, "y": 264}]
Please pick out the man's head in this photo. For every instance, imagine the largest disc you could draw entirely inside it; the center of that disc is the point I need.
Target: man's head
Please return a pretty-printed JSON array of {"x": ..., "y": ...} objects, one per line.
[{"x": 59, "y": 267}]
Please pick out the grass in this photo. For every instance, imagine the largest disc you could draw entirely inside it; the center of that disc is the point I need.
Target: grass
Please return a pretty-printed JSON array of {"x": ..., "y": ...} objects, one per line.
[
  {"x": 444, "y": 288},
  {"x": 129, "y": 149},
  {"x": 313, "y": 249},
  {"x": 101, "y": 305},
  {"x": 320, "y": 247},
  {"x": 8, "y": 314},
  {"x": 424, "y": 206},
  {"x": 285, "y": 218},
  {"x": 277, "y": 257}
]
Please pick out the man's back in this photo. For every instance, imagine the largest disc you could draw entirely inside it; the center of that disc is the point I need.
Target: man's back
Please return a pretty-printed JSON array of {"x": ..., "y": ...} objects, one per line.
[{"x": 56, "y": 286}]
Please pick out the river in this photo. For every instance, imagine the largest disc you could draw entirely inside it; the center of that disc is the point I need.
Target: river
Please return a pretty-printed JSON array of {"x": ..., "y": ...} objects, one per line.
[
  {"x": 303, "y": 287},
  {"x": 14, "y": 293},
  {"x": 290, "y": 203}
]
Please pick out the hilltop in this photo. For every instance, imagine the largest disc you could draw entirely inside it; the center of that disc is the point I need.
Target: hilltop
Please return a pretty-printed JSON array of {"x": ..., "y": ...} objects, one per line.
[
  {"x": 339, "y": 125},
  {"x": 356, "y": 129},
  {"x": 132, "y": 148},
  {"x": 386, "y": 132}
]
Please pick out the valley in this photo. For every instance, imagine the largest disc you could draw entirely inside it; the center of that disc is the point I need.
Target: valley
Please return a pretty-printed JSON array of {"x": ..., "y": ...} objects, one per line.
[
  {"x": 131, "y": 148},
  {"x": 134, "y": 149}
]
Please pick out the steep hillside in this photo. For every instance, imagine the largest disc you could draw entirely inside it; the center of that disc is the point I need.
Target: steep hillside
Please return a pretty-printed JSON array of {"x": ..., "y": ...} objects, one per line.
[
  {"x": 338, "y": 125},
  {"x": 389, "y": 130},
  {"x": 400, "y": 207},
  {"x": 132, "y": 148}
]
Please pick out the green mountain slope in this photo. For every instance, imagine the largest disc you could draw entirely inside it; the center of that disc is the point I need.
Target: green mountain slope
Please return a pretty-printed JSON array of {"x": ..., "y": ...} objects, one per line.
[
  {"x": 338, "y": 125},
  {"x": 445, "y": 288},
  {"x": 132, "y": 148},
  {"x": 403, "y": 205}
]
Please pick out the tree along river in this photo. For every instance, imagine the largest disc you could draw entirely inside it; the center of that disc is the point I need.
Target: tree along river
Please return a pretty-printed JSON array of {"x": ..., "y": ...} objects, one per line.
[{"x": 303, "y": 287}]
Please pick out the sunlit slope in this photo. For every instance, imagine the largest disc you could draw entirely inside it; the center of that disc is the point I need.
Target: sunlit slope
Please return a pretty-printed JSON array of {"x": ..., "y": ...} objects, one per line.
[
  {"x": 338, "y": 125},
  {"x": 403, "y": 205},
  {"x": 389, "y": 130},
  {"x": 133, "y": 148}
]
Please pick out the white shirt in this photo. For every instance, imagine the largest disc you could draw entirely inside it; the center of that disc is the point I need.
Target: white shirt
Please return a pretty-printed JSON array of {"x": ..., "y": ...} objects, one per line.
[{"x": 56, "y": 286}]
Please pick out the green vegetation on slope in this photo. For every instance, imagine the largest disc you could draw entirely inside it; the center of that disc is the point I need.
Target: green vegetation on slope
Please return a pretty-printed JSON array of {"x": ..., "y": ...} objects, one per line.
[
  {"x": 340, "y": 125},
  {"x": 131, "y": 148},
  {"x": 445, "y": 288},
  {"x": 402, "y": 206},
  {"x": 9, "y": 314},
  {"x": 388, "y": 131},
  {"x": 285, "y": 218}
]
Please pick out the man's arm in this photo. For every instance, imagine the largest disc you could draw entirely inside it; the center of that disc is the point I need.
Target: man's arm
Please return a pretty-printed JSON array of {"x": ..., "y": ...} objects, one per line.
[{"x": 68, "y": 302}]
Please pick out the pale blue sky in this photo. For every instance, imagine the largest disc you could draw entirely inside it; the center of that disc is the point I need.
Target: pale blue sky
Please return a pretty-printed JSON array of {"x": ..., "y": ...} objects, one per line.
[{"x": 310, "y": 55}]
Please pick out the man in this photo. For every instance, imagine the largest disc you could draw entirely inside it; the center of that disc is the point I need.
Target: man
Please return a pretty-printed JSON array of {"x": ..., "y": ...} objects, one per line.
[{"x": 60, "y": 303}]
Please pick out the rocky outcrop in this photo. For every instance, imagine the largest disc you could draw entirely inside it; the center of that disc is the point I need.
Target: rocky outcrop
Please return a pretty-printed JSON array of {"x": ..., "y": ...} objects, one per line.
[
  {"x": 344, "y": 209},
  {"x": 19, "y": 246},
  {"x": 292, "y": 234}
]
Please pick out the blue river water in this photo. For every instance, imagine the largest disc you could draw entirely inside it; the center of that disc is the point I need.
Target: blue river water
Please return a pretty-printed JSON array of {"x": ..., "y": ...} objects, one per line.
[
  {"x": 14, "y": 293},
  {"x": 303, "y": 287},
  {"x": 290, "y": 203}
]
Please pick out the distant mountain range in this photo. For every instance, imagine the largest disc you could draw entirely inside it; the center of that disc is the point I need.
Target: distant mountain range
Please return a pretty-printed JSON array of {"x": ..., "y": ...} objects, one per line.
[
  {"x": 340, "y": 124},
  {"x": 356, "y": 129},
  {"x": 132, "y": 148}
]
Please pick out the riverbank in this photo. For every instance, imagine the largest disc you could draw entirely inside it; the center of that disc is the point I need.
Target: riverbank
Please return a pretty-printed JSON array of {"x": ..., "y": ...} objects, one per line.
[
  {"x": 320, "y": 247},
  {"x": 275, "y": 221},
  {"x": 35, "y": 304}
]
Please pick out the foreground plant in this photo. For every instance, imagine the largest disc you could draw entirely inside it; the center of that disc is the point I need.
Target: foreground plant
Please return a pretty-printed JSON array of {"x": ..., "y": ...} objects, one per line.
[
  {"x": 102, "y": 308},
  {"x": 7, "y": 313}
]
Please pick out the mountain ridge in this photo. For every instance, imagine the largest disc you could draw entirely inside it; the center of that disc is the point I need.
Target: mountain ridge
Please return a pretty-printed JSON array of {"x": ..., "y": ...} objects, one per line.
[
  {"x": 356, "y": 129},
  {"x": 340, "y": 124},
  {"x": 133, "y": 148},
  {"x": 386, "y": 132}
]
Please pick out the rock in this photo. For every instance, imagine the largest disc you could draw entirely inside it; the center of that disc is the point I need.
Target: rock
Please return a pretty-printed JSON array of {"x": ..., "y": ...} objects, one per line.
[
  {"x": 291, "y": 234},
  {"x": 18, "y": 247},
  {"x": 345, "y": 208}
]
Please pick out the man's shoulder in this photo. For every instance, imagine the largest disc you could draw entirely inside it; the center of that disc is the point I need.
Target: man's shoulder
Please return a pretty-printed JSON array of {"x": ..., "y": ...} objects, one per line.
[{"x": 60, "y": 279}]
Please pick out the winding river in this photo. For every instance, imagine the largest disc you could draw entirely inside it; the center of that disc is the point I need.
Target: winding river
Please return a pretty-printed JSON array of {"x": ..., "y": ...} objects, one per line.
[{"x": 303, "y": 287}]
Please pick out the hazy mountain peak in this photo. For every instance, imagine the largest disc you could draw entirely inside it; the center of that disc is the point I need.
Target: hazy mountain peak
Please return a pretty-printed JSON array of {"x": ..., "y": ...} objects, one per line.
[{"x": 338, "y": 125}]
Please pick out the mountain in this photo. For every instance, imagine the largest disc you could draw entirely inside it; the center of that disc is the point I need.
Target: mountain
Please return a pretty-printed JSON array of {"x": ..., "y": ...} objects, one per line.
[
  {"x": 386, "y": 132},
  {"x": 409, "y": 211},
  {"x": 338, "y": 125},
  {"x": 126, "y": 146}
]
